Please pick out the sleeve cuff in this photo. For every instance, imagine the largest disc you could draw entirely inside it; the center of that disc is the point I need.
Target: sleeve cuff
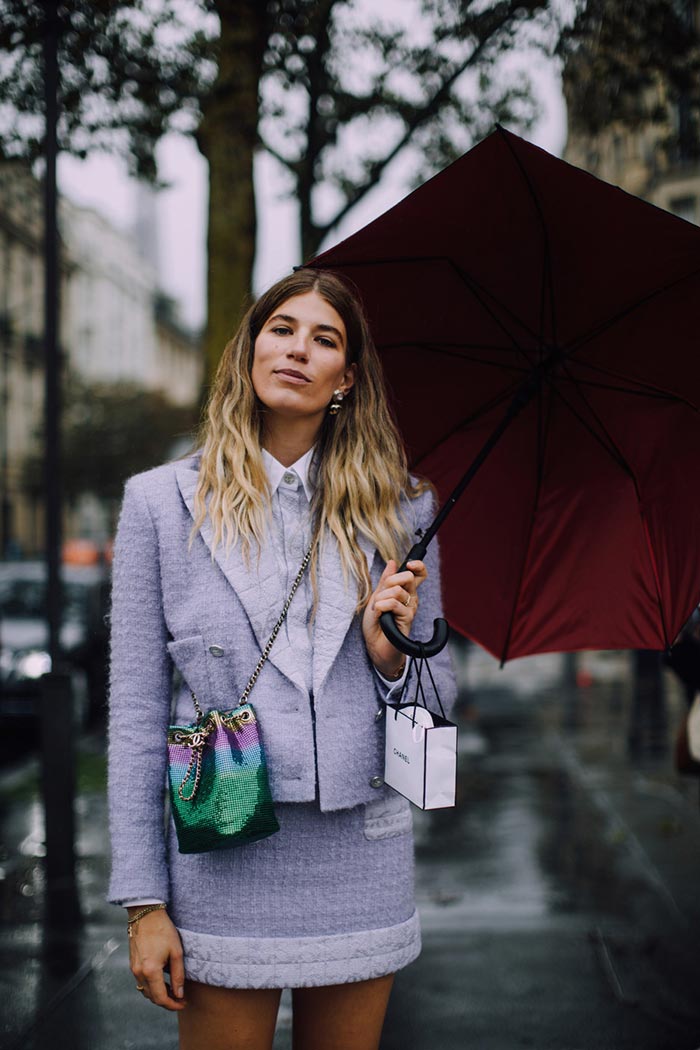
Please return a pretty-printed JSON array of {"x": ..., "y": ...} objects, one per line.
[
  {"x": 393, "y": 685},
  {"x": 141, "y": 903}
]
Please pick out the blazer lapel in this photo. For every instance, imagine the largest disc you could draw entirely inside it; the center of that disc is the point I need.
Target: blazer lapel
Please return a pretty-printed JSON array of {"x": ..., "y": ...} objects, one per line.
[
  {"x": 258, "y": 588},
  {"x": 336, "y": 607},
  {"x": 258, "y": 585}
]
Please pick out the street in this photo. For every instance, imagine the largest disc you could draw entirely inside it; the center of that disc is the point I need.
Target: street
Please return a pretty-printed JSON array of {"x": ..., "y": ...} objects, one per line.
[
  {"x": 559, "y": 904},
  {"x": 559, "y": 899}
]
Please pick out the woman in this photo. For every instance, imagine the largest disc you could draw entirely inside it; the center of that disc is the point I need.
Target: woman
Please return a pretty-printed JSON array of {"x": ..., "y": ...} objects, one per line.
[{"x": 298, "y": 449}]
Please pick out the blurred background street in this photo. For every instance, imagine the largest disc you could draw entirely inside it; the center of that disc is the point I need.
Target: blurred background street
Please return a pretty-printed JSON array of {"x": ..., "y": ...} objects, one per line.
[{"x": 559, "y": 899}]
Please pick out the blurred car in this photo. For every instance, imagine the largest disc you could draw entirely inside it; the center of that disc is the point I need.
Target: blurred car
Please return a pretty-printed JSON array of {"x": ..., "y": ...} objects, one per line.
[{"x": 24, "y": 656}]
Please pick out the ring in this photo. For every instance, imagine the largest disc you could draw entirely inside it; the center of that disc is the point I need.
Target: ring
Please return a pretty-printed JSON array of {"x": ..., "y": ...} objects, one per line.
[
  {"x": 408, "y": 601},
  {"x": 140, "y": 987}
]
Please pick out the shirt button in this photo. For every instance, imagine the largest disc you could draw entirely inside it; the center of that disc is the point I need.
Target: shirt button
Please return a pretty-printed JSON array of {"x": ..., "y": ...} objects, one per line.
[
  {"x": 289, "y": 479},
  {"x": 216, "y": 650},
  {"x": 379, "y": 715},
  {"x": 376, "y": 781}
]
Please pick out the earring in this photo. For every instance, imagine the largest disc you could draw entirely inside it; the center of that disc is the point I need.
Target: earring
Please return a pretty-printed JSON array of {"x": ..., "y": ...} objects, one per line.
[{"x": 337, "y": 402}]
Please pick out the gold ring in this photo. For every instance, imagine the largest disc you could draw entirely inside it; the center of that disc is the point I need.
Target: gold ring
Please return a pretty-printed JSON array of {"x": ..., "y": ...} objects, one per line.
[
  {"x": 408, "y": 601},
  {"x": 140, "y": 987}
]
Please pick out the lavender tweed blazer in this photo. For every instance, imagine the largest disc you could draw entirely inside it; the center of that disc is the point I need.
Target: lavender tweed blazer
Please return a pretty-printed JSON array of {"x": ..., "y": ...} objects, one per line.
[{"x": 175, "y": 606}]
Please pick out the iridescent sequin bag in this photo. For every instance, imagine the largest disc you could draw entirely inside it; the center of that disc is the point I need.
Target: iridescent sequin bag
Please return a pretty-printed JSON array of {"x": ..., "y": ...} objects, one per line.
[{"x": 219, "y": 790}]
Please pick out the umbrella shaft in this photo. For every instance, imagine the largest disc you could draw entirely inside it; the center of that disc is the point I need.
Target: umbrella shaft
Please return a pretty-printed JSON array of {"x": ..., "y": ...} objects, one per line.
[{"x": 520, "y": 399}]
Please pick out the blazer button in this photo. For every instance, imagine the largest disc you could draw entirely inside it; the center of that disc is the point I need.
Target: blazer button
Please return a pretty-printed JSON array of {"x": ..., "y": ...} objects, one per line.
[
  {"x": 379, "y": 715},
  {"x": 376, "y": 781},
  {"x": 216, "y": 650}
]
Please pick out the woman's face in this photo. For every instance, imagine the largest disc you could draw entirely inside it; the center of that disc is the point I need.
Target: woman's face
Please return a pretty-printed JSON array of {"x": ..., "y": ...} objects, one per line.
[{"x": 299, "y": 359}]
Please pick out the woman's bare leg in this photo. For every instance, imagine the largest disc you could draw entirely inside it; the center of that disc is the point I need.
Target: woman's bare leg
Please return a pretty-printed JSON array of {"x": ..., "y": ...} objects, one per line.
[
  {"x": 341, "y": 1016},
  {"x": 228, "y": 1018}
]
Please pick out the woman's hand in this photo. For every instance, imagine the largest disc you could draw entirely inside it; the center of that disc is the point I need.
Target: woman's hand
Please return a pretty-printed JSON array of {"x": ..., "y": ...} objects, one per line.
[
  {"x": 396, "y": 593},
  {"x": 155, "y": 945}
]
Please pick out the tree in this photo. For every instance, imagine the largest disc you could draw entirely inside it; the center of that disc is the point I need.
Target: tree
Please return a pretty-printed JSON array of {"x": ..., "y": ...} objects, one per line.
[
  {"x": 131, "y": 71},
  {"x": 111, "y": 431},
  {"x": 346, "y": 90},
  {"x": 334, "y": 89},
  {"x": 635, "y": 63},
  {"x": 228, "y": 137}
]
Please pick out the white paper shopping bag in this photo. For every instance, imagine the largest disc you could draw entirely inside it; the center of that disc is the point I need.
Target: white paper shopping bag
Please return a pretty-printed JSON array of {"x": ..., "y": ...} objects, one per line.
[{"x": 421, "y": 756}]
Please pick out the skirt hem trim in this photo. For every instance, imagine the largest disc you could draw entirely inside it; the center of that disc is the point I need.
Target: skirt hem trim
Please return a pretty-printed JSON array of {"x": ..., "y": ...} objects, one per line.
[{"x": 300, "y": 962}]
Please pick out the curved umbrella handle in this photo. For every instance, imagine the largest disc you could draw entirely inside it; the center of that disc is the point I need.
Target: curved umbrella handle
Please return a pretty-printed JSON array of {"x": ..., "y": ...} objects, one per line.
[
  {"x": 441, "y": 630},
  {"x": 441, "y": 633}
]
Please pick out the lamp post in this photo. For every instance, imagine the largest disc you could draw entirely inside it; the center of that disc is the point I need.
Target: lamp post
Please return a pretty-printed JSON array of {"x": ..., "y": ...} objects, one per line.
[
  {"x": 57, "y": 723},
  {"x": 5, "y": 502}
]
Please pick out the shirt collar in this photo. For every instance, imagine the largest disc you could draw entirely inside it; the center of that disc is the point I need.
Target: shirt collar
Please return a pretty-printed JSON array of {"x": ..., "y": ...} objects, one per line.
[{"x": 302, "y": 468}]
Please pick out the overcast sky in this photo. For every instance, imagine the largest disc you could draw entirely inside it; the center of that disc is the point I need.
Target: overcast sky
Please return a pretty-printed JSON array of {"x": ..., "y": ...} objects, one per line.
[{"x": 101, "y": 182}]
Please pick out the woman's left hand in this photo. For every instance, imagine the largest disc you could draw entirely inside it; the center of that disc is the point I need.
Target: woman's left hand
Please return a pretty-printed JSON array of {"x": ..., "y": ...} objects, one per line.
[{"x": 397, "y": 593}]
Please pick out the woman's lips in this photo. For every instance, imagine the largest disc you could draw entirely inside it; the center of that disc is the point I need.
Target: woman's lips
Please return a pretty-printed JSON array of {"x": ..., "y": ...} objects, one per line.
[{"x": 291, "y": 376}]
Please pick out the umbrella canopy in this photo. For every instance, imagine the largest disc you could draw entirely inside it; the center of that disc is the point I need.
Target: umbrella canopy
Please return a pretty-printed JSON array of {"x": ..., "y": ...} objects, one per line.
[{"x": 512, "y": 269}]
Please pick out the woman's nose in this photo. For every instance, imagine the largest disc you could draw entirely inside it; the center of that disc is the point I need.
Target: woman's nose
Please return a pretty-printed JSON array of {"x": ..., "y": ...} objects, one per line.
[{"x": 299, "y": 347}]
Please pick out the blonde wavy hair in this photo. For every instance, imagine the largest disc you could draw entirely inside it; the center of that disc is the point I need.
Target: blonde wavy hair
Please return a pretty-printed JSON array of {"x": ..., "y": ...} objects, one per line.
[{"x": 361, "y": 464}]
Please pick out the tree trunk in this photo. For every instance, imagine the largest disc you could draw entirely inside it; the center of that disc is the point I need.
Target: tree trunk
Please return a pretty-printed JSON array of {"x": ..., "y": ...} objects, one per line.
[{"x": 227, "y": 137}]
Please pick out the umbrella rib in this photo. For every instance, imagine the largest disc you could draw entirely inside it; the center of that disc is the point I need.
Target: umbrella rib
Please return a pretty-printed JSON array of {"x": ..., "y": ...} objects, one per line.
[
  {"x": 480, "y": 294},
  {"x": 617, "y": 455},
  {"x": 611, "y": 448},
  {"x": 447, "y": 352},
  {"x": 645, "y": 389},
  {"x": 472, "y": 284},
  {"x": 653, "y": 395},
  {"x": 542, "y": 437},
  {"x": 547, "y": 283},
  {"x": 575, "y": 345},
  {"x": 482, "y": 410},
  {"x": 446, "y": 348}
]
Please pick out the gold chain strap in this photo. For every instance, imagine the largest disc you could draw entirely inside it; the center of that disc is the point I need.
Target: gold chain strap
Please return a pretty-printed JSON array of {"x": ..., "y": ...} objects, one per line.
[
  {"x": 276, "y": 629},
  {"x": 197, "y": 741}
]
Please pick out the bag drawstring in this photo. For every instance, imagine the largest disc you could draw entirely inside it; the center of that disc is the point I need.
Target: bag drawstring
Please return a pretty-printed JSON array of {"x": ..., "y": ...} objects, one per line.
[
  {"x": 197, "y": 741},
  {"x": 197, "y": 744}
]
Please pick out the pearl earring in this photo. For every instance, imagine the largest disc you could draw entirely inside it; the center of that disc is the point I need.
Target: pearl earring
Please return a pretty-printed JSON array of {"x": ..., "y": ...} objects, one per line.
[{"x": 336, "y": 403}]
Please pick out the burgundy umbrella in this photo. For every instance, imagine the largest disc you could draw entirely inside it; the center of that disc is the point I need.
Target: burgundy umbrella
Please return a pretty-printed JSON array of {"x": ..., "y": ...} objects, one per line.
[{"x": 539, "y": 329}]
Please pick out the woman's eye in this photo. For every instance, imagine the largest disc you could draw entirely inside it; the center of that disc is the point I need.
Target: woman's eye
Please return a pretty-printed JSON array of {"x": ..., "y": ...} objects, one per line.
[
  {"x": 282, "y": 330},
  {"x": 325, "y": 341}
]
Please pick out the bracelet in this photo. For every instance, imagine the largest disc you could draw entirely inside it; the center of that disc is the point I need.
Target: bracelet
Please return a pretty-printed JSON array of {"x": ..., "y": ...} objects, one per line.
[
  {"x": 397, "y": 674},
  {"x": 132, "y": 924}
]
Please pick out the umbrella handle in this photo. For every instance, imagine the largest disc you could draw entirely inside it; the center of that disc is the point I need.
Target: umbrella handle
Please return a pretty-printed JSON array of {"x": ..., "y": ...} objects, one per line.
[
  {"x": 434, "y": 645},
  {"x": 415, "y": 649}
]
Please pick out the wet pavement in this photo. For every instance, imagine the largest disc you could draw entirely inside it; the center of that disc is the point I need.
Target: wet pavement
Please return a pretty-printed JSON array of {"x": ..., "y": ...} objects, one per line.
[{"x": 559, "y": 899}]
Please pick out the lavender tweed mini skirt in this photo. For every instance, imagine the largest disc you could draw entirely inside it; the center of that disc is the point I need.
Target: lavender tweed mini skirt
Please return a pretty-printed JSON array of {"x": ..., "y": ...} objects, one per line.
[{"x": 326, "y": 900}]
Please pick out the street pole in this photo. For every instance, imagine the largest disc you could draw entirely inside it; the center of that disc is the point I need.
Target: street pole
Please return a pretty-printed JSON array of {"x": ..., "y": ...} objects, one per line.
[
  {"x": 57, "y": 723},
  {"x": 5, "y": 502}
]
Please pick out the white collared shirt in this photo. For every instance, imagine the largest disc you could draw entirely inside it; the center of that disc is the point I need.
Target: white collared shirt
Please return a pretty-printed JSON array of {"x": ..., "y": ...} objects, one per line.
[
  {"x": 277, "y": 474},
  {"x": 284, "y": 481},
  {"x": 290, "y": 537}
]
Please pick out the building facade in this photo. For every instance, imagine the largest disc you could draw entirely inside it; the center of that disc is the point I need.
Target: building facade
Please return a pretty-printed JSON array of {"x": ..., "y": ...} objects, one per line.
[
  {"x": 116, "y": 326},
  {"x": 648, "y": 160},
  {"x": 22, "y": 375}
]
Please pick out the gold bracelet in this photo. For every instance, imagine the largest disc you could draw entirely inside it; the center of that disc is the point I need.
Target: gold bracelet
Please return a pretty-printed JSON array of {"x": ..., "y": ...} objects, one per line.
[
  {"x": 132, "y": 924},
  {"x": 397, "y": 674}
]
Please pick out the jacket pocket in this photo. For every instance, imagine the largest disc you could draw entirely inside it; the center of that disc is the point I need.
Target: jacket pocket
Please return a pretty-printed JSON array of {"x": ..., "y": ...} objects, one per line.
[
  {"x": 388, "y": 817},
  {"x": 190, "y": 657}
]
